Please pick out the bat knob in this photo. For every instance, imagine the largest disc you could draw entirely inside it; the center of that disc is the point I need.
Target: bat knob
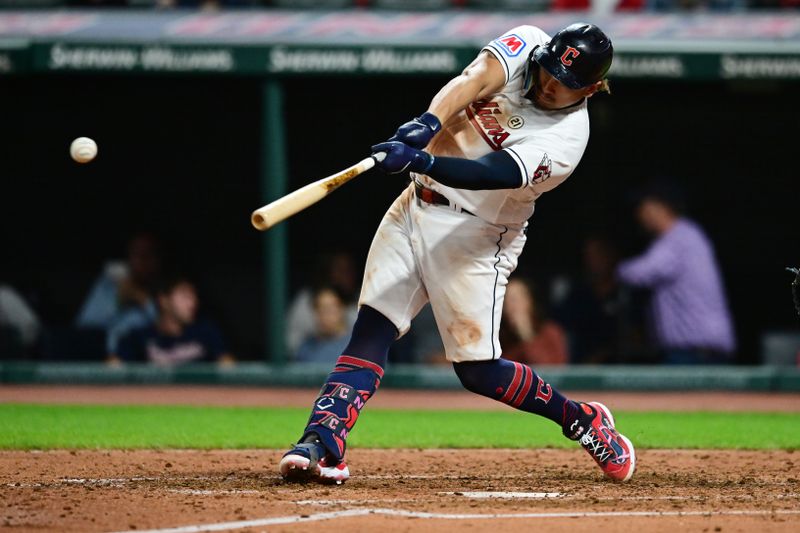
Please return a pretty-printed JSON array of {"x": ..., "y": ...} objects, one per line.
[{"x": 379, "y": 156}]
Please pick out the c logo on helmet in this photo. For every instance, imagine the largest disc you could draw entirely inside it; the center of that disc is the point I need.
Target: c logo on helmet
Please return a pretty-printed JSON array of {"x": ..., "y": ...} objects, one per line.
[{"x": 570, "y": 54}]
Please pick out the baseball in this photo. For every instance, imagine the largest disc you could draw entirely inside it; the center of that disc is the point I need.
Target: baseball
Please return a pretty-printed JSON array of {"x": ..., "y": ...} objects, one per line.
[{"x": 83, "y": 149}]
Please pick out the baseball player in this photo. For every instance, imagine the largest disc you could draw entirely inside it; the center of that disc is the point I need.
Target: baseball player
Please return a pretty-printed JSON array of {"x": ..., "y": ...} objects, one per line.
[{"x": 511, "y": 127}]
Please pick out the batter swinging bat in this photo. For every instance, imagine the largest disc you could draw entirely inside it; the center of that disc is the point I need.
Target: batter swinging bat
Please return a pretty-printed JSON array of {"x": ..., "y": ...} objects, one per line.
[{"x": 286, "y": 206}]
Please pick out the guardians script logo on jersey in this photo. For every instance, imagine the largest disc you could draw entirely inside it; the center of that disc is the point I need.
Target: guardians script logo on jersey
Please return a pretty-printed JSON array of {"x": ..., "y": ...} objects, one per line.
[
  {"x": 511, "y": 44},
  {"x": 483, "y": 116},
  {"x": 543, "y": 171}
]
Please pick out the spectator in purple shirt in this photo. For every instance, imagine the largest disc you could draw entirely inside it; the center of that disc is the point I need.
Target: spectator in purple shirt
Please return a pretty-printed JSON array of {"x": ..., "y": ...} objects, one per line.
[{"x": 689, "y": 311}]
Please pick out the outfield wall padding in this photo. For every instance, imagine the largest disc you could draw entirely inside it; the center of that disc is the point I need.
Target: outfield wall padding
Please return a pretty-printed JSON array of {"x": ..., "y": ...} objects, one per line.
[{"x": 633, "y": 378}]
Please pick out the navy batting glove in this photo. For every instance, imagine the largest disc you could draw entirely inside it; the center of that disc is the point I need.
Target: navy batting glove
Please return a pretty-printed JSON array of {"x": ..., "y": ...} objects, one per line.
[
  {"x": 418, "y": 133},
  {"x": 401, "y": 157}
]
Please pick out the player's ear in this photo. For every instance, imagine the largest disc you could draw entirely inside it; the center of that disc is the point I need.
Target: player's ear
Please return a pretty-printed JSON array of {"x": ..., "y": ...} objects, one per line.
[
  {"x": 592, "y": 89},
  {"x": 599, "y": 87}
]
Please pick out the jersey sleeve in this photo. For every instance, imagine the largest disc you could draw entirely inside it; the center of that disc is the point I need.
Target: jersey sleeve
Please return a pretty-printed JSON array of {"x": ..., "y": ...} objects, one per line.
[
  {"x": 513, "y": 48},
  {"x": 540, "y": 169},
  {"x": 547, "y": 156}
]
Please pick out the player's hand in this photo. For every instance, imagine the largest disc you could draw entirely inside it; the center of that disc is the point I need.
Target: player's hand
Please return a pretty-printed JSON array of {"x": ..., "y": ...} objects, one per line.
[
  {"x": 401, "y": 157},
  {"x": 418, "y": 133}
]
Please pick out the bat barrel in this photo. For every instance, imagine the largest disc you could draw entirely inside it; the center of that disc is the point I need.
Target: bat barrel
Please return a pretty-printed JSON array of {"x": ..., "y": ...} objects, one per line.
[
  {"x": 282, "y": 208},
  {"x": 259, "y": 221}
]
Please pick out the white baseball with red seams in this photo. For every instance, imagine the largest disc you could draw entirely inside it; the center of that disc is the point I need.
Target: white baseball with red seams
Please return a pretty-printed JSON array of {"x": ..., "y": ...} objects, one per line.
[
  {"x": 83, "y": 149},
  {"x": 459, "y": 262}
]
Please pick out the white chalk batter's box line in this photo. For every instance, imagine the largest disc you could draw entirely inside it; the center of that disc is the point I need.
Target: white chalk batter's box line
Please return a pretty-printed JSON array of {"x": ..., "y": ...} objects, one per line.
[
  {"x": 476, "y": 495},
  {"x": 545, "y": 496},
  {"x": 281, "y": 520},
  {"x": 202, "y": 492}
]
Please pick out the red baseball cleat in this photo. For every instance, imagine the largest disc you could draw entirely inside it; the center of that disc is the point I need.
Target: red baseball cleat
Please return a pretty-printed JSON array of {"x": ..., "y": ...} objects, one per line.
[
  {"x": 612, "y": 451},
  {"x": 303, "y": 463}
]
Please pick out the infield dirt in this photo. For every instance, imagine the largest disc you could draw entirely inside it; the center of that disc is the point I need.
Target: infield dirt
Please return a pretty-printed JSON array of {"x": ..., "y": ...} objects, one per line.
[
  {"x": 121, "y": 490},
  {"x": 118, "y": 490}
]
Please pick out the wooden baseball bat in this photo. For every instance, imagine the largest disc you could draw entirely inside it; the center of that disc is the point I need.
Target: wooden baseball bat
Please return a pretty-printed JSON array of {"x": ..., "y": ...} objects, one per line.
[{"x": 265, "y": 217}]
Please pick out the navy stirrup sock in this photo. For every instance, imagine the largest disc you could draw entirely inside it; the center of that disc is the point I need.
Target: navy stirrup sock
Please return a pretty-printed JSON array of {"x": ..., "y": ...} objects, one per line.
[
  {"x": 373, "y": 335},
  {"x": 354, "y": 380},
  {"x": 517, "y": 385}
]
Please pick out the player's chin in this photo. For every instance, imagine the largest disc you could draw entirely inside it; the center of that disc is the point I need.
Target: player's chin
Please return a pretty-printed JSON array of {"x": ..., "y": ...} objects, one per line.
[{"x": 543, "y": 102}]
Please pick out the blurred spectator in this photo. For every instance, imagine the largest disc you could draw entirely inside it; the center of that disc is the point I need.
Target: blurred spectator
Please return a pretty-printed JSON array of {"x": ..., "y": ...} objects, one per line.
[
  {"x": 19, "y": 325},
  {"x": 177, "y": 336},
  {"x": 121, "y": 299},
  {"x": 336, "y": 270},
  {"x": 689, "y": 311},
  {"x": 599, "y": 314},
  {"x": 526, "y": 335},
  {"x": 123, "y": 285},
  {"x": 331, "y": 334}
]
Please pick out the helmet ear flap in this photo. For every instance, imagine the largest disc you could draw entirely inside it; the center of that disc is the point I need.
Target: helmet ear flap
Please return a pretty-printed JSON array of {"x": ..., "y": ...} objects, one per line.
[{"x": 531, "y": 70}]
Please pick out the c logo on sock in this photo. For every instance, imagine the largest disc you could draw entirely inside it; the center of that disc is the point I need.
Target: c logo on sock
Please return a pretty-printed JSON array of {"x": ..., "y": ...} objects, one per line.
[{"x": 543, "y": 391}]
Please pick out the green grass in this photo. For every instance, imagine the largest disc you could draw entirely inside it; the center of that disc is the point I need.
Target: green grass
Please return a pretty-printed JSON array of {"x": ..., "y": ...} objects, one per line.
[{"x": 65, "y": 426}]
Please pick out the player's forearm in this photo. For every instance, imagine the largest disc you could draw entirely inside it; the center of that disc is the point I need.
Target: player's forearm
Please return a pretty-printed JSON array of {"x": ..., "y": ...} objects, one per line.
[
  {"x": 495, "y": 171},
  {"x": 455, "y": 96},
  {"x": 483, "y": 77}
]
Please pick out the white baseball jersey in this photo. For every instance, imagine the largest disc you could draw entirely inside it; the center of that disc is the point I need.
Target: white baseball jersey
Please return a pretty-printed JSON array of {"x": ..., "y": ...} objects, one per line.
[
  {"x": 459, "y": 262},
  {"x": 546, "y": 145}
]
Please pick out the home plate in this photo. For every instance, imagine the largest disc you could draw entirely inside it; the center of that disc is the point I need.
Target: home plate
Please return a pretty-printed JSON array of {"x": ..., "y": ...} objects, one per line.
[{"x": 506, "y": 495}]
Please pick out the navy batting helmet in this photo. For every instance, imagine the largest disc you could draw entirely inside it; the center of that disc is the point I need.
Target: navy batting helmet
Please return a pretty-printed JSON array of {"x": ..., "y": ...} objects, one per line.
[{"x": 577, "y": 56}]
